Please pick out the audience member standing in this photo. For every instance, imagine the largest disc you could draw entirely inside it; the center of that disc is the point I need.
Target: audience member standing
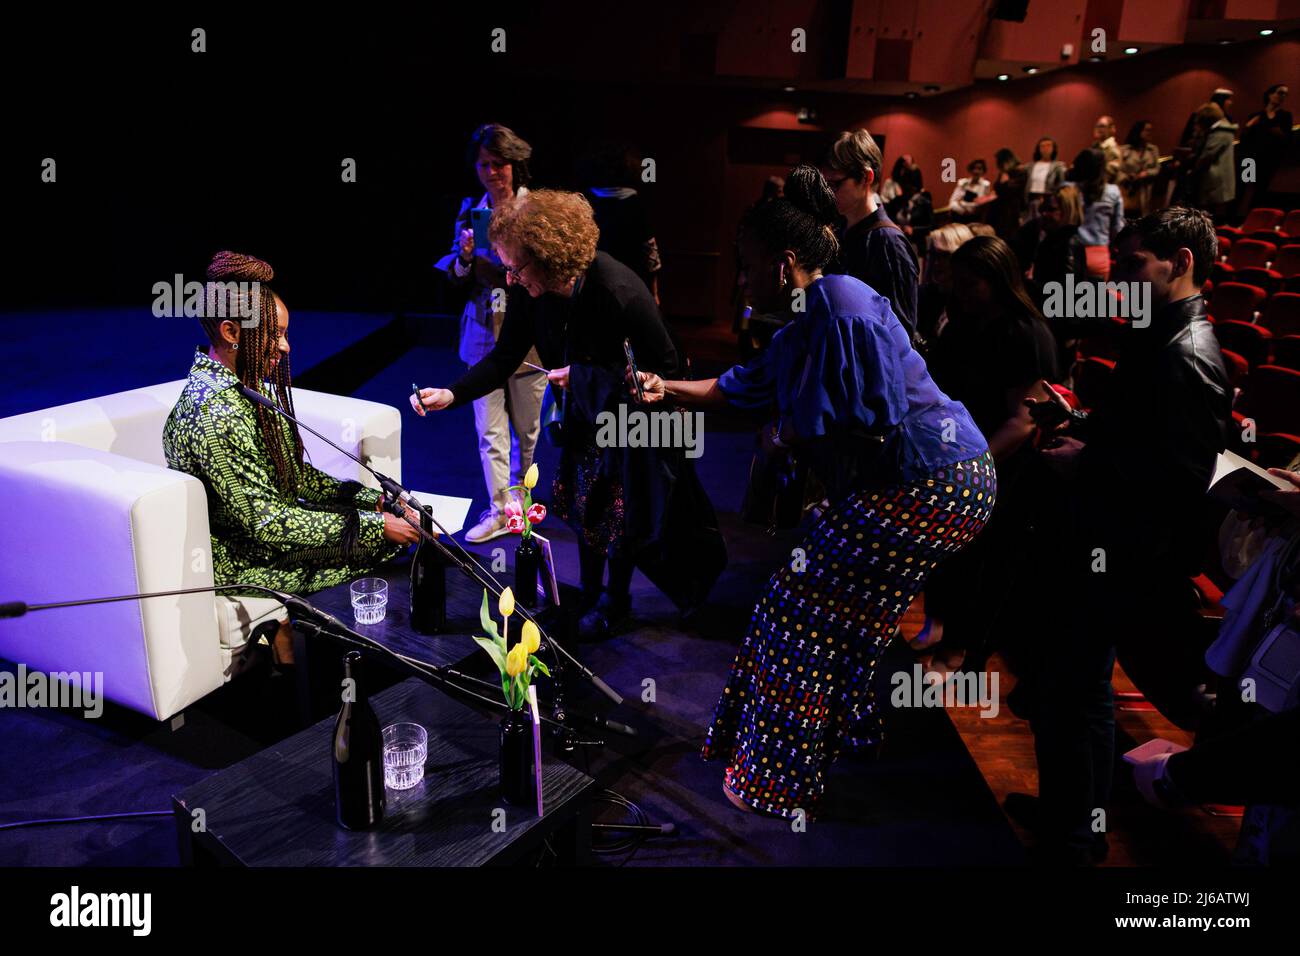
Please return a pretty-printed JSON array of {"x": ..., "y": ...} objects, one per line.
[
  {"x": 1046, "y": 173},
  {"x": 608, "y": 176},
  {"x": 872, "y": 248},
  {"x": 1103, "y": 209},
  {"x": 1265, "y": 139},
  {"x": 499, "y": 159},
  {"x": 1215, "y": 171},
  {"x": 1004, "y": 207},
  {"x": 1103, "y": 138},
  {"x": 1139, "y": 166},
  {"x": 994, "y": 352},
  {"x": 1125, "y": 538}
]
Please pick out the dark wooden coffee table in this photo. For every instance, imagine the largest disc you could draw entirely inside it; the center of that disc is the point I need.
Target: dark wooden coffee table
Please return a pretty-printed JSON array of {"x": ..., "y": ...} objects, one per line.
[{"x": 277, "y": 807}]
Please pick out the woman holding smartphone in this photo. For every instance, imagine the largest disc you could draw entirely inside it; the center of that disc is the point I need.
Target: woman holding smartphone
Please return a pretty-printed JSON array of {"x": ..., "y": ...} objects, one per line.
[
  {"x": 909, "y": 479},
  {"x": 628, "y": 505},
  {"x": 499, "y": 159}
]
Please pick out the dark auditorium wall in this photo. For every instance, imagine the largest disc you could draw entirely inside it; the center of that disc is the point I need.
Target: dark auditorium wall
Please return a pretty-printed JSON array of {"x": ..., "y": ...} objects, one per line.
[
  {"x": 1163, "y": 86},
  {"x": 164, "y": 163}
]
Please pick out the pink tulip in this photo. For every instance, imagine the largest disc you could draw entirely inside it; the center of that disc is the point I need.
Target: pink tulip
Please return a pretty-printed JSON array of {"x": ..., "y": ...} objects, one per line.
[
  {"x": 536, "y": 513},
  {"x": 515, "y": 524},
  {"x": 513, "y": 509}
]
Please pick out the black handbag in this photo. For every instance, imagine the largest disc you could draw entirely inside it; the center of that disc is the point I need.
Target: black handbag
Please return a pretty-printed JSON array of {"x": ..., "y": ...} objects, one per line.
[{"x": 777, "y": 491}]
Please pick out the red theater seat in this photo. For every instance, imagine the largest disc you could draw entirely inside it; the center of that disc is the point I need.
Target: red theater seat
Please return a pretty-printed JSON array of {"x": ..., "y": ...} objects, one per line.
[
  {"x": 1287, "y": 263},
  {"x": 1244, "y": 338},
  {"x": 1237, "y": 366},
  {"x": 1267, "y": 279},
  {"x": 1251, "y": 252},
  {"x": 1236, "y": 301},
  {"x": 1274, "y": 399},
  {"x": 1286, "y": 352},
  {"x": 1281, "y": 314},
  {"x": 1291, "y": 224},
  {"x": 1225, "y": 247},
  {"x": 1092, "y": 380},
  {"x": 1256, "y": 221},
  {"x": 1246, "y": 254}
]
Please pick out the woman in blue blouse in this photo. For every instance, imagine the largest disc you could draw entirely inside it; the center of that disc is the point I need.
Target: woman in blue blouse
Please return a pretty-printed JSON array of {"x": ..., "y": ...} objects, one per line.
[{"x": 910, "y": 482}]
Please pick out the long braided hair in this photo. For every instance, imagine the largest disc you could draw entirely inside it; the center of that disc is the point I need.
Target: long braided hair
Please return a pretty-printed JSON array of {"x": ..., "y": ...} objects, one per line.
[{"x": 257, "y": 346}]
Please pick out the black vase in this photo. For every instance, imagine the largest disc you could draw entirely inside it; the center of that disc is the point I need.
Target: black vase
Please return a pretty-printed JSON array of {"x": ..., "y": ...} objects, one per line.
[
  {"x": 528, "y": 565},
  {"x": 518, "y": 784}
]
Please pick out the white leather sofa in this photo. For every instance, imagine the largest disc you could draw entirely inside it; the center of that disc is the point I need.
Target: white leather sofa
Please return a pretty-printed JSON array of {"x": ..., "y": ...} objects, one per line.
[{"x": 91, "y": 510}]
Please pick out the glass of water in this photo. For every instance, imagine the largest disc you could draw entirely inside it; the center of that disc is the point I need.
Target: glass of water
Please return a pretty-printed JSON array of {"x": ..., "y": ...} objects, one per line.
[
  {"x": 369, "y": 600},
  {"x": 406, "y": 746}
]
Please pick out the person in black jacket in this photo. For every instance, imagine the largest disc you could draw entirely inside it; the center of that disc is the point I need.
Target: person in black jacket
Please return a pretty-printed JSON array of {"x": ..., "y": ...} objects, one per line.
[
  {"x": 873, "y": 248},
  {"x": 1128, "y": 524},
  {"x": 622, "y": 500}
]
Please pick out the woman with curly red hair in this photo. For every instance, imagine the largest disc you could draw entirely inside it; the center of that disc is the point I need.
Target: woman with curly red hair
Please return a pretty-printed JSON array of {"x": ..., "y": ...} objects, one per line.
[{"x": 625, "y": 504}]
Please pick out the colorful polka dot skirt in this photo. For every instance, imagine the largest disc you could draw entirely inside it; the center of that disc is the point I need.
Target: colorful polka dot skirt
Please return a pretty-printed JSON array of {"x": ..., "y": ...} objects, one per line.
[{"x": 799, "y": 691}]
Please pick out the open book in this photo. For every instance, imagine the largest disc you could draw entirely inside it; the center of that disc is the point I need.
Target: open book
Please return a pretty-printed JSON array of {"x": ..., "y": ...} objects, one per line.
[{"x": 1237, "y": 483}]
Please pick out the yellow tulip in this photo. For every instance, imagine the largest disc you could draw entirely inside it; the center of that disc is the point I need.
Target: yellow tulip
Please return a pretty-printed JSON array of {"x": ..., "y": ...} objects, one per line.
[
  {"x": 507, "y": 603},
  {"x": 530, "y": 637},
  {"x": 516, "y": 660},
  {"x": 530, "y": 477}
]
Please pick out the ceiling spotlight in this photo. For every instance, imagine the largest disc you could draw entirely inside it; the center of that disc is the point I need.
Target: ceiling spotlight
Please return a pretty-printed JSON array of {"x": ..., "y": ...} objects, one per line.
[
  {"x": 932, "y": 89},
  {"x": 1096, "y": 59},
  {"x": 1224, "y": 41},
  {"x": 787, "y": 89},
  {"x": 1031, "y": 70},
  {"x": 1130, "y": 50},
  {"x": 911, "y": 94},
  {"x": 1266, "y": 33},
  {"x": 1004, "y": 76}
]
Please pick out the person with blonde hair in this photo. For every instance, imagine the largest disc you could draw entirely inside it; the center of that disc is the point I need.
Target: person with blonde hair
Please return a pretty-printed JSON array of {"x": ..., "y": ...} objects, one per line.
[
  {"x": 936, "y": 282},
  {"x": 873, "y": 248},
  {"x": 624, "y": 502}
]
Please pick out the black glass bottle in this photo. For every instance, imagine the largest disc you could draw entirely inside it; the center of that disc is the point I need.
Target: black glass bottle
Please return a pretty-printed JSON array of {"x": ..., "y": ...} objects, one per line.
[
  {"x": 428, "y": 583},
  {"x": 358, "y": 754}
]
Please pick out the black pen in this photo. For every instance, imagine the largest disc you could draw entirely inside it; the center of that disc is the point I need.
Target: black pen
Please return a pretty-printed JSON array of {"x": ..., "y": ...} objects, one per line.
[{"x": 419, "y": 405}]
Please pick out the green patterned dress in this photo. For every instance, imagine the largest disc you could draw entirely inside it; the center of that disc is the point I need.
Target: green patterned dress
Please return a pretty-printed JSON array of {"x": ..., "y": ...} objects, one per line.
[{"x": 262, "y": 535}]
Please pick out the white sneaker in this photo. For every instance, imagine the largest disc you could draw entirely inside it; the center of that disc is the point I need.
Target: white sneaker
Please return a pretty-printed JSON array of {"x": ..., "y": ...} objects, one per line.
[{"x": 491, "y": 524}]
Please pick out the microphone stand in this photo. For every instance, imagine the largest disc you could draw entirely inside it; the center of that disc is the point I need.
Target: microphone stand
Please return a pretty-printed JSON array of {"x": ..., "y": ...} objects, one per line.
[
  {"x": 321, "y": 622},
  {"x": 395, "y": 496}
]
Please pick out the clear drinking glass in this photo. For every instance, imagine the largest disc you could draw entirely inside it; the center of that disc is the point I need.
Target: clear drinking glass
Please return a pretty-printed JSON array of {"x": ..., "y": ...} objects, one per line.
[
  {"x": 405, "y": 748},
  {"x": 369, "y": 600}
]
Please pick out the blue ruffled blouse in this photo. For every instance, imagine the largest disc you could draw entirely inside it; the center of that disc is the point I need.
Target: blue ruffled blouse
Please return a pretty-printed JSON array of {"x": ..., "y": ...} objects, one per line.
[{"x": 846, "y": 365}]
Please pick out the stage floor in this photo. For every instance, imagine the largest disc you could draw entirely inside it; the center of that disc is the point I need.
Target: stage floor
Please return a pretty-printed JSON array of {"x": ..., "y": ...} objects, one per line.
[{"x": 925, "y": 802}]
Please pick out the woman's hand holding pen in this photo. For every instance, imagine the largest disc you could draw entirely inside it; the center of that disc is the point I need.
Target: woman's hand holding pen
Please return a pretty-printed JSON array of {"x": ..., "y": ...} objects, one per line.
[
  {"x": 467, "y": 246},
  {"x": 431, "y": 399},
  {"x": 559, "y": 377}
]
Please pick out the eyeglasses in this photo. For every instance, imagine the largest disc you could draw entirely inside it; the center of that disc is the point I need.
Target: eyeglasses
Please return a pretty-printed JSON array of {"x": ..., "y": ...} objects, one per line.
[{"x": 516, "y": 272}]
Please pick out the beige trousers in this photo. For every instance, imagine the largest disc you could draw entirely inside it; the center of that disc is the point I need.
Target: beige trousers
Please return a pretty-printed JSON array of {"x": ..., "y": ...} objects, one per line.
[{"x": 518, "y": 406}]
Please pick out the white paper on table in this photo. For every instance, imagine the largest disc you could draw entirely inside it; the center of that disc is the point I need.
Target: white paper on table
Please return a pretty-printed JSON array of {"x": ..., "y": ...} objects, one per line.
[{"x": 448, "y": 511}]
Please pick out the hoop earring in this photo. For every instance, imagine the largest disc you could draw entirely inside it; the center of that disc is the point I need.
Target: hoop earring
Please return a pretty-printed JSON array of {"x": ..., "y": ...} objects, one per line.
[{"x": 234, "y": 347}]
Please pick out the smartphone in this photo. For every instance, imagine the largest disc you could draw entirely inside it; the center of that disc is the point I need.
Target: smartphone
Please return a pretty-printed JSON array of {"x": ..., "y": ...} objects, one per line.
[
  {"x": 636, "y": 378},
  {"x": 478, "y": 221}
]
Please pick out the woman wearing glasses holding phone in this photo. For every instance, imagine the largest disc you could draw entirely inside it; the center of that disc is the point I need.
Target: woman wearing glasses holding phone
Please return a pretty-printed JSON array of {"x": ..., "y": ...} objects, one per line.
[
  {"x": 499, "y": 159},
  {"x": 628, "y": 506}
]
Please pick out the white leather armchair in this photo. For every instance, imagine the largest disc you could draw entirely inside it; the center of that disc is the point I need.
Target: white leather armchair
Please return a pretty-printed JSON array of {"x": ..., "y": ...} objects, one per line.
[{"x": 93, "y": 511}]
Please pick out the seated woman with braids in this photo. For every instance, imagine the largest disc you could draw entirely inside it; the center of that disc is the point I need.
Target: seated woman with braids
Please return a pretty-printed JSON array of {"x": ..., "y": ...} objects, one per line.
[
  {"x": 909, "y": 480},
  {"x": 276, "y": 521}
]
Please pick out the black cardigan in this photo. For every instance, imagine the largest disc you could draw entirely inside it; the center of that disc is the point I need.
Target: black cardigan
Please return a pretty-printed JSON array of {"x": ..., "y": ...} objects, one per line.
[{"x": 587, "y": 328}]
